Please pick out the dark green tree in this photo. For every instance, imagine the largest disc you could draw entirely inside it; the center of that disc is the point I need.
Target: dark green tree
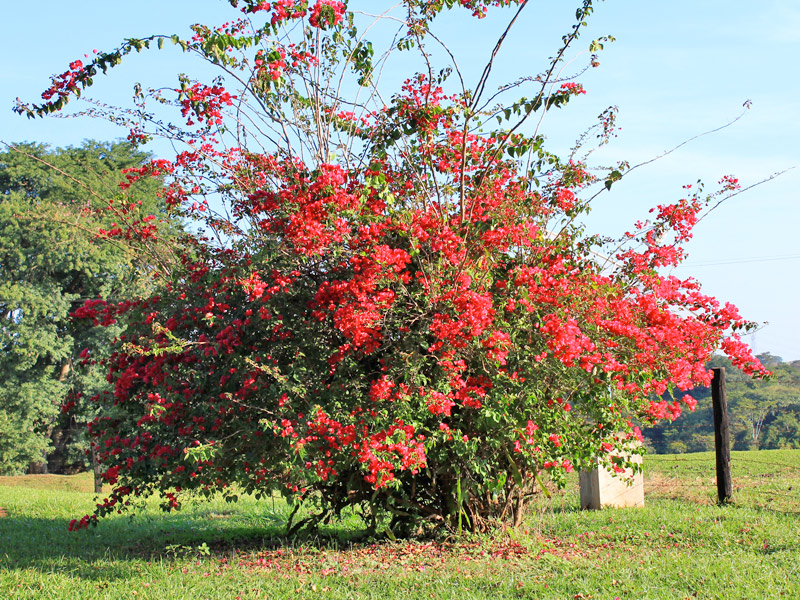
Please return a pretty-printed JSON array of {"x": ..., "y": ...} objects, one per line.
[
  {"x": 763, "y": 414},
  {"x": 58, "y": 248}
]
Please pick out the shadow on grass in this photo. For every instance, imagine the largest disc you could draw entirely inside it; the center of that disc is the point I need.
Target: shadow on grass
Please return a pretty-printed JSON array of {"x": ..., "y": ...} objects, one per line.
[{"x": 117, "y": 546}]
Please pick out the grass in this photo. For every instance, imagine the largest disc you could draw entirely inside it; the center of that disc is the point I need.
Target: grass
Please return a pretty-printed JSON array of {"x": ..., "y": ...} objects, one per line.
[{"x": 681, "y": 545}]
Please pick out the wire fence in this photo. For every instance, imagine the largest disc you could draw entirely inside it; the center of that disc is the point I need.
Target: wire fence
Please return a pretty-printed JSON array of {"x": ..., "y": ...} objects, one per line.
[
  {"x": 767, "y": 479},
  {"x": 698, "y": 441}
]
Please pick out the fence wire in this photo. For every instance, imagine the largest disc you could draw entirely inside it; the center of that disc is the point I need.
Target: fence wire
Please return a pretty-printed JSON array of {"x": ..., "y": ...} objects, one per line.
[{"x": 768, "y": 482}]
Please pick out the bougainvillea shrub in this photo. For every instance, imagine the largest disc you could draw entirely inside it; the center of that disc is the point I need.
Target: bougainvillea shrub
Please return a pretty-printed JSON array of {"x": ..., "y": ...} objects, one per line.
[{"x": 389, "y": 302}]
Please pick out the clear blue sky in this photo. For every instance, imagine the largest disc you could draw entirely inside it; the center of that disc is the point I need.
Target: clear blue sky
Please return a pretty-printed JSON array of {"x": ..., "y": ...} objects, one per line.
[{"x": 677, "y": 69}]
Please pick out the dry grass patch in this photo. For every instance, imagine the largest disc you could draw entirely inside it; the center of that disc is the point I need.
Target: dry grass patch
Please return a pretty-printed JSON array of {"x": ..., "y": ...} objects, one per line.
[{"x": 83, "y": 482}]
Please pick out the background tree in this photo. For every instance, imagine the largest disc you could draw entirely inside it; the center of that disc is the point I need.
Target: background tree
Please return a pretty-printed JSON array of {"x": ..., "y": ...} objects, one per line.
[
  {"x": 763, "y": 413},
  {"x": 53, "y": 258},
  {"x": 767, "y": 411}
]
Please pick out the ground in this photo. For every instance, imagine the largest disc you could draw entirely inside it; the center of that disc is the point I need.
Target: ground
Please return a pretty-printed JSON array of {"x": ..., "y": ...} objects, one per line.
[{"x": 680, "y": 545}]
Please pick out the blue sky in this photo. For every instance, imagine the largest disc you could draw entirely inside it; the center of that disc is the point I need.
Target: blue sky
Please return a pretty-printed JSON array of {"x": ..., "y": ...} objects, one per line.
[{"x": 677, "y": 69}]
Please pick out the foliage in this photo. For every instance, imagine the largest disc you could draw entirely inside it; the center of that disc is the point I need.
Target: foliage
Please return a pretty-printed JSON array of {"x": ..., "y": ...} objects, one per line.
[
  {"x": 391, "y": 304},
  {"x": 763, "y": 413},
  {"x": 52, "y": 260}
]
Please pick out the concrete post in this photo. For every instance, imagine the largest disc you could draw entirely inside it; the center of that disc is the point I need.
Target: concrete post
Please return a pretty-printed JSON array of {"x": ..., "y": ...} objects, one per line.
[{"x": 600, "y": 487}]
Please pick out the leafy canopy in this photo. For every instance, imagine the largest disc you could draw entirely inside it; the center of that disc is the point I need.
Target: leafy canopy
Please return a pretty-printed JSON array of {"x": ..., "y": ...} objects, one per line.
[
  {"x": 53, "y": 204},
  {"x": 390, "y": 302}
]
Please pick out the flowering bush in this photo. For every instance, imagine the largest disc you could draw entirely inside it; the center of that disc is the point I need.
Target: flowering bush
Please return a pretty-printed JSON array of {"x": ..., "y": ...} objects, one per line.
[{"x": 390, "y": 304}]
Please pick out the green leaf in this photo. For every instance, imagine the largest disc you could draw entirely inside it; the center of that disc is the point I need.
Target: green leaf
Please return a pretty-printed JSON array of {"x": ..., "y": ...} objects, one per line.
[
  {"x": 515, "y": 473},
  {"x": 542, "y": 485},
  {"x": 390, "y": 534},
  {"x": 615, "y": 175}
]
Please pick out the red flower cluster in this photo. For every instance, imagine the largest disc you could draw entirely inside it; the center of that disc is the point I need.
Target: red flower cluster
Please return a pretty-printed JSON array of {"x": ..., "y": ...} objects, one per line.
[
  {"x": 326, "y": 13},
  {"x": 65, "y": 84},
  {"x": 204, "y": 103}
]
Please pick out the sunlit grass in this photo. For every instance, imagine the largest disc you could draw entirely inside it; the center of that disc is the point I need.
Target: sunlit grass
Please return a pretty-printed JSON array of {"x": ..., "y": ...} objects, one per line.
[{"x": 681, "y": 545}]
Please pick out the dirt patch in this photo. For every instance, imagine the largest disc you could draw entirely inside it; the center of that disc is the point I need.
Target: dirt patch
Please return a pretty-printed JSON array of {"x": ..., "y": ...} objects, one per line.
[
  {"x": 657, "y": 485},
  {"x": 83, "y": 482},
  {"x": 3, "y": 512},
  {"x": 221, "y": 515}
]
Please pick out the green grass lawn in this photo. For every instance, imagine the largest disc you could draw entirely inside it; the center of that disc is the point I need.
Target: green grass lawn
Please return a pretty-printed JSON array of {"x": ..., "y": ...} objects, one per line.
[{"x": 681, "y": 545}]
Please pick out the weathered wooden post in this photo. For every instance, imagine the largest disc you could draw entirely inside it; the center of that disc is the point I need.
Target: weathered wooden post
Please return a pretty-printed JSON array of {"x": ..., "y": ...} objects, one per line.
[{"x": 722, "y": 441}]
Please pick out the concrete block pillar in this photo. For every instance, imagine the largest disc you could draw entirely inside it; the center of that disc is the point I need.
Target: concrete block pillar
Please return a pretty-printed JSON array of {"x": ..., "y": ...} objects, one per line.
[{"x": 600, "y": 487}]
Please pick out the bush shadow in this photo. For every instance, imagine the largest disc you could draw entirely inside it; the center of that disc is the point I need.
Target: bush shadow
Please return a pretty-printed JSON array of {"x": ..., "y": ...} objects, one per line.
[{"x": 117, "y": 546}]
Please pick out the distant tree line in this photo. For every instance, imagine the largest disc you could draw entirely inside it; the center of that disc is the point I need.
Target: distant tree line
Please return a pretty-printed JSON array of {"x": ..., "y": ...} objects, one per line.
[{"x": 763, "y": 414}]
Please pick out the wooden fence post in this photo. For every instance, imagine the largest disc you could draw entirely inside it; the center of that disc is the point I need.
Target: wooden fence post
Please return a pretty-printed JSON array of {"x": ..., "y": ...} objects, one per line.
[{"x": 722, "y": 441}]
